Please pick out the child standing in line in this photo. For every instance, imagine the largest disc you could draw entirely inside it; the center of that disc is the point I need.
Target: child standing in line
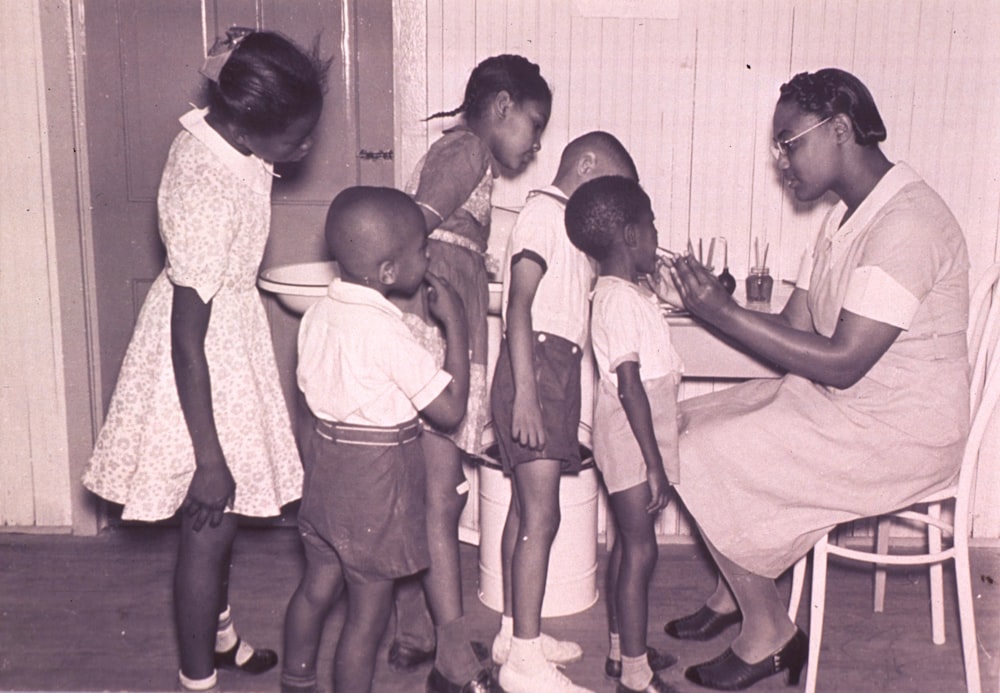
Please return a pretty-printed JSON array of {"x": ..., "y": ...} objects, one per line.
[
  {"x": 635, "y": 416},
  {"x": 198, "y": 421},
  {"x": 365, "y": 379},
  {"x": 505, "y": 110},
  {"x": 535, "y": 402}
]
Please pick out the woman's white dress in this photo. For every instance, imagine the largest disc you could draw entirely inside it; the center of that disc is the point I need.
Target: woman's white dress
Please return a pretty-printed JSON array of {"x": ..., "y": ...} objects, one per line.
[{"x": 768, "y": 466}]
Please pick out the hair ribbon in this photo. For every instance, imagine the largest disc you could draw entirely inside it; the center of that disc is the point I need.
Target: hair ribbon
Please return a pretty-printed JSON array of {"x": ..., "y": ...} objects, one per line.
[{"x": 220, "y": 51}]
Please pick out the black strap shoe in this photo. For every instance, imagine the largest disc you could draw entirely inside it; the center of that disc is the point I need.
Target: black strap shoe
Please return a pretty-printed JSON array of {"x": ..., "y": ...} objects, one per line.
[
  {"x": 657, "y": 685},
  {"x": 658, "y": 661},
  {"x": 482, "y": 683},
  {"x": 728, "y": 672},
  {"x": 260, "y": 661},
  {"x": 404, "y": 658}
]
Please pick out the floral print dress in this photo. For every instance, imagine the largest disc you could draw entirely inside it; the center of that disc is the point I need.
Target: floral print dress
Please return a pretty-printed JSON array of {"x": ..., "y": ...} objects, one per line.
[{"x": 214, "y": 214}]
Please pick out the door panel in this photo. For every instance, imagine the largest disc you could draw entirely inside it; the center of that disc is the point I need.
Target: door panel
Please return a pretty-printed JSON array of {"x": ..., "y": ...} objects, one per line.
[{"x": 141, "y": 66}]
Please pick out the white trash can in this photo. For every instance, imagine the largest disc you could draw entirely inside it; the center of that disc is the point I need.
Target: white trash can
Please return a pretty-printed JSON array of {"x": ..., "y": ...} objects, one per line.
[{"x": 571, "y": 586}]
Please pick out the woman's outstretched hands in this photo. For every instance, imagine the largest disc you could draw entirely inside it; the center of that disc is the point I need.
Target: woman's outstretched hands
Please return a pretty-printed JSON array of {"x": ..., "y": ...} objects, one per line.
[
  {"x": 699, "y": 289},
  {"x": 662, "y": 285},
  {"x": 212, "y": 490}
]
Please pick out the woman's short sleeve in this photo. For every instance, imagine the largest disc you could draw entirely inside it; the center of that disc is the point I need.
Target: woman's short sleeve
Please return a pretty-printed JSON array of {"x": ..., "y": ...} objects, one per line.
[{"x": 198, "y": 218}]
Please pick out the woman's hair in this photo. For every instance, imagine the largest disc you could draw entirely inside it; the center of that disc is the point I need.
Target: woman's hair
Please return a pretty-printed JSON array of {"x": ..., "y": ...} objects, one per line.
[
  {"x": 513, "y": 74},
  {"x": 599, "y": 209},
  {"x": 831, "y": 91},
  {"x": 267, "y": 82}
]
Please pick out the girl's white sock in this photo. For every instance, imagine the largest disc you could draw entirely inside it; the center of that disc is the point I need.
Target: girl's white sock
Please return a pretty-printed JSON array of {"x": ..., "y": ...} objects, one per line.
[
  {"x": 507, "y": 626},
  {"x": 526, "y": 654},
  {"x": 636, "y": 673},
  {"x": 205, "y": 684},
  {"x": 226, "y": 637},
  {"x": 615, "y": 648}
]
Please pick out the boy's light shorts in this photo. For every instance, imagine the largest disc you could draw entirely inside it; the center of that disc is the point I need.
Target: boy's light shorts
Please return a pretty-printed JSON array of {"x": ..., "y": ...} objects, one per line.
[
  {"x": 557, "y": 375},
  {"x": 616, "y": 451}
]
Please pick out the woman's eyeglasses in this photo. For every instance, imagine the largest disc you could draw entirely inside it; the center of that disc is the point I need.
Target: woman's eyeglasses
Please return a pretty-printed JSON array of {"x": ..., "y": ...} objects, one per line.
[{"x": 780, "y": 148}]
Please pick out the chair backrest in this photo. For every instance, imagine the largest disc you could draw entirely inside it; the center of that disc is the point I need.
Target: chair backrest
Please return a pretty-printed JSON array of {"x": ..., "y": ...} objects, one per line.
[
  {"x": 984, "y": 339},
  {"x": 981, "y": 313}
]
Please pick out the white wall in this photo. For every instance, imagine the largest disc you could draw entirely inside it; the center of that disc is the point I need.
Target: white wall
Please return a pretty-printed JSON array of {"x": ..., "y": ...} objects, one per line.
[{"x": 689, "y": 86}]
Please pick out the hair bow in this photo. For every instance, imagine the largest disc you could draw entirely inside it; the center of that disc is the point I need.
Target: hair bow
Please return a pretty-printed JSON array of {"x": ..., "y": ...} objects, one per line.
[{"x": 220, "y": 51}]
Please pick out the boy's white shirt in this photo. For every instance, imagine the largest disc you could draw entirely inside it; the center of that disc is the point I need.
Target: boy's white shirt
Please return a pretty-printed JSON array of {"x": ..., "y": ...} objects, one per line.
[
  {"x": 561, "y": 304},
  {"x": 360, "y": 364}
]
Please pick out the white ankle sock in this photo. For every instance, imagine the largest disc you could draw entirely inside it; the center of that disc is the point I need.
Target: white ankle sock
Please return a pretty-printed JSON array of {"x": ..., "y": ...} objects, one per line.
[
  {"x": 205, "y": 684},
  {"x": 636, "y": 673},
  {"x": 615, "y": 645},
  {"x": 507, "y": 626},
  {"x": 226, "y": 637}
]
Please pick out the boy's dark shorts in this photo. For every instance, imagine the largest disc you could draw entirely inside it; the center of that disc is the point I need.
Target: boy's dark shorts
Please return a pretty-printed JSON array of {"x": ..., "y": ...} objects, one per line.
[
  {"x": 557, "y": 376},
  {"x": 363, "y": 500}
]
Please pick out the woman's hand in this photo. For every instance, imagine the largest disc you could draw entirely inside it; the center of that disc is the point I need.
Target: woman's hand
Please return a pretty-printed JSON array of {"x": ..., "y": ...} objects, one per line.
[
  {"x": 211, "y": 491},
  {"x": 663, "y": 286},
  {"x": 699, "y": 289}
]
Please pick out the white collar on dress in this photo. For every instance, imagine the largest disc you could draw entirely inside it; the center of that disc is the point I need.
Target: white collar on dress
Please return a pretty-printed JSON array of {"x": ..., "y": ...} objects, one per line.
[
  {"x": 894, "y": 180},
  {"x": 252, "y": 170}
]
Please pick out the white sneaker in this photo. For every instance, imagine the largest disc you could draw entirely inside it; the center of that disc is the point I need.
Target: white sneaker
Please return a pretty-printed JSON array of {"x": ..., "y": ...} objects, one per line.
[
  {"x": 544, "y": 680},
  {"x": 555, "y": 651}
]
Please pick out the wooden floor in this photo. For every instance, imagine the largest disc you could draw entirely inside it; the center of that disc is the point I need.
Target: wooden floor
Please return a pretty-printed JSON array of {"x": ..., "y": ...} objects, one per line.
[{"x": 93, "y": 614}]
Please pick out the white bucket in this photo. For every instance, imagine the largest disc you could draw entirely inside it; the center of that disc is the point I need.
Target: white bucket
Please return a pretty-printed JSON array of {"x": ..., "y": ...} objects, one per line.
[{"x": 571, "y": 586}]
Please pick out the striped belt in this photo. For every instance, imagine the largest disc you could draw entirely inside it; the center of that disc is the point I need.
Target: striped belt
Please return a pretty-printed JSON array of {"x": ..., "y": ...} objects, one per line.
[
  {"x": 356, "y": 434},
  {"x": 453, "y": 238}
]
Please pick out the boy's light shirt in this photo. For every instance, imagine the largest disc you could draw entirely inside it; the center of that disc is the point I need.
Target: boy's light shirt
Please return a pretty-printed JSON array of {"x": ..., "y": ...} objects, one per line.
[
  {"x": 360, "y": 364},
  {"x": 627, "y": 325},
  {"x": 561, "y": 302}
]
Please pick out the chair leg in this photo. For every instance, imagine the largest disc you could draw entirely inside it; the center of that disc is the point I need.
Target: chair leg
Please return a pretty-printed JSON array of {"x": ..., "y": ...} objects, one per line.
[
  {"x": 817, "y": 613},
  {"x": 798, "y": 582},
  {"x": 936, "y": 572},
  {"x": 966, "y": 615},
  {"x": 882, "y": 530}
]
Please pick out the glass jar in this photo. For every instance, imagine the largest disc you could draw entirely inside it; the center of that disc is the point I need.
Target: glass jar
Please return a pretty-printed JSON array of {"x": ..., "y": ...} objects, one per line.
[{"x": 759, "y": 285}]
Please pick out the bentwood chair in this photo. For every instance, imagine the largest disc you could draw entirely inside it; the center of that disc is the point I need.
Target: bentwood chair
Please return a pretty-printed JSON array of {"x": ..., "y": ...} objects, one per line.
[{"x": 984, "y": 394}]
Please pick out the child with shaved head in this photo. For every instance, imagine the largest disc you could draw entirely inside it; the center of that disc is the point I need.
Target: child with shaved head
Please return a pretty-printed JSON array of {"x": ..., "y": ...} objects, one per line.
[{"x": 366, "y": 379}]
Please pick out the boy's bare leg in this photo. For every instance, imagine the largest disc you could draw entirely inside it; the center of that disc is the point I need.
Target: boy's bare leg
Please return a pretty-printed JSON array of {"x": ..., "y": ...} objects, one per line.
[
  {"x": 536, "y": 484},
  {"x": 322, "y": 583},
  {"x": 368, "y": 608}
]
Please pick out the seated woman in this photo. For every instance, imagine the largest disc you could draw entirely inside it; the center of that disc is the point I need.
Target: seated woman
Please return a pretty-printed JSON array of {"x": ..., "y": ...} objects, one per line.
[{"x": 873, "y": 411}]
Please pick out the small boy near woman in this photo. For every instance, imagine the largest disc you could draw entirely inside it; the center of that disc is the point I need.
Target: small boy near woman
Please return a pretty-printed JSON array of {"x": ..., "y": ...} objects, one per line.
[
  {"x": 535, "y": 401},
  {"x": 635, "y": 417},
  {"x": 363, "y": 516}
]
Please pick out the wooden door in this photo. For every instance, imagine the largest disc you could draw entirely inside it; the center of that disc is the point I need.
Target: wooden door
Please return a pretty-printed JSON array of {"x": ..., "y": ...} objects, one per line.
[{"x": 141, "y": 66}]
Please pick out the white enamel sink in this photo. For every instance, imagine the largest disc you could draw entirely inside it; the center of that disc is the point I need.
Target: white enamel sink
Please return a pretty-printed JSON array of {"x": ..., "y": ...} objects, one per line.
[{"x": 297, "y": 286}]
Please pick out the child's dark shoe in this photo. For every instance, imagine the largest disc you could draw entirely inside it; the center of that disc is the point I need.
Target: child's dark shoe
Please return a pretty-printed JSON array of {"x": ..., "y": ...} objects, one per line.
[
  {"x": 404, "y": 658},
  {"x": 657, "y": 685},
  {"x": 242, "y": 657},
  {"x": 658, "y": 661},
  {"x": 482, "y": 683}
]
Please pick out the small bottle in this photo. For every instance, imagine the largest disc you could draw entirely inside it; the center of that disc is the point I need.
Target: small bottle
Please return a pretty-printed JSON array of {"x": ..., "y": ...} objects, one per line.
[{"x": 759, "y": 285}]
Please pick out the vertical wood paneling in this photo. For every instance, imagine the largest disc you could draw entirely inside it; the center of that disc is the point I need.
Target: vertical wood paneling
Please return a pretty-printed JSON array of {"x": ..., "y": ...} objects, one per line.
[{"x": 698, "y": 122}]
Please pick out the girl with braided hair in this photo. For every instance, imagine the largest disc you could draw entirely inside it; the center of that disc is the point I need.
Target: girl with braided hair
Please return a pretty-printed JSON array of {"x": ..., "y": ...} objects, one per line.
[
  {"x": 505, "y": 110},
  {"x": 873, "y": 411}
]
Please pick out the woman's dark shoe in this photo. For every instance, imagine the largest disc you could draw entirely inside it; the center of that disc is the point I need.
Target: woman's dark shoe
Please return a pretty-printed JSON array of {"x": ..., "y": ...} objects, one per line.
[
  {"x": 482, "y": 683},
  {"x": 730, "y": 673},
  {"x": 257, "y": 663},
  {"x": 404, "y": 658},
  {"x": 703, "y": 624},
  {"x": 658, "y": 661},
  {"x": 657, "y": 685}
]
